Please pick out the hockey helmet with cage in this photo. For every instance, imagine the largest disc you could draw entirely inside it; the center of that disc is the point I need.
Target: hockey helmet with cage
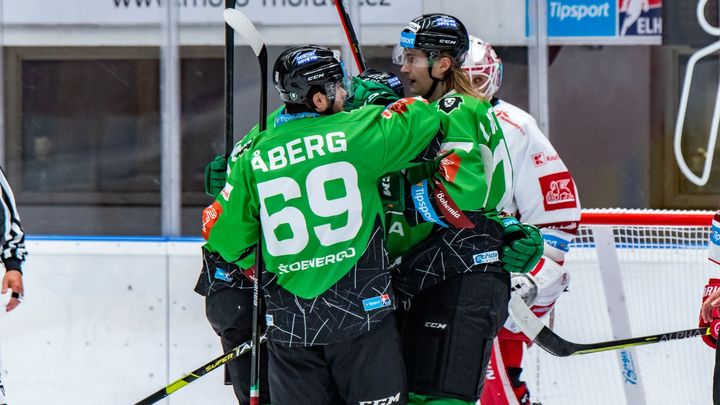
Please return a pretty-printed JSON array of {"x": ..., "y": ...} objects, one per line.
[
  {"x": 300, "y": 70},
  {"x": 434, "y": 34},
  {"x": 484, "y": 67}
]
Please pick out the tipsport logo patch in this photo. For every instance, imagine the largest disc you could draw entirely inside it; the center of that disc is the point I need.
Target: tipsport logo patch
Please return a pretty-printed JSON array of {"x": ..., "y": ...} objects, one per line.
[
  {"x": 407, "y": 39},
  {"x": 557, "y": 243},
  {"x": 381, "y": 301}
]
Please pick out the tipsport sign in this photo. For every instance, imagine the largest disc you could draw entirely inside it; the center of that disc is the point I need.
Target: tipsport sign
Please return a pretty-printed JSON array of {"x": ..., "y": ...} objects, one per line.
[{"x": 603, "y": 21}]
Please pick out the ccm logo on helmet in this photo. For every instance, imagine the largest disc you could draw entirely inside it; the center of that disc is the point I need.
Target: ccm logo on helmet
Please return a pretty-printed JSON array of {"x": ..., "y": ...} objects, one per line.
[{"x": 448, "y": 41}]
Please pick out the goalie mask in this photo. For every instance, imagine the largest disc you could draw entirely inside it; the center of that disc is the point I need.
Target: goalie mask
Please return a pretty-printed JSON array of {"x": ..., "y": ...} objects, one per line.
[
  {"x": 299, "y": 71},
  {"x": 484, "y": 68}
]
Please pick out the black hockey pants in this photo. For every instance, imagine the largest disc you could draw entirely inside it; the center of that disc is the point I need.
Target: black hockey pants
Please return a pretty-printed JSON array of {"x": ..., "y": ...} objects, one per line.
[{"x": 230, "y": 312}]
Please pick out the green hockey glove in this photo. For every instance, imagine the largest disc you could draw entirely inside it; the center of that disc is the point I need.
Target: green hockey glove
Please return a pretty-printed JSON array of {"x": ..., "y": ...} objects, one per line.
[
  {"x": 523, "y": 246},
  {"x": 215, "y": 176},
  {"x": 369, "y": 92}
]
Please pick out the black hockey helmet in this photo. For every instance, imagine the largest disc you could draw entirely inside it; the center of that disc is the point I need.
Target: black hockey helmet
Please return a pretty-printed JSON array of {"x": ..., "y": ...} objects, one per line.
[
  {"x": 298, "y": 70},
  {"x": 387, "y": 78},
  {"x": 435, "y": 34}
]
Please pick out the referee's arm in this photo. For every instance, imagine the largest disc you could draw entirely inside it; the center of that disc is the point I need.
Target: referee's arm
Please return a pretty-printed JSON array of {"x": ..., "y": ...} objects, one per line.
[{"x": 13, "y": 244}]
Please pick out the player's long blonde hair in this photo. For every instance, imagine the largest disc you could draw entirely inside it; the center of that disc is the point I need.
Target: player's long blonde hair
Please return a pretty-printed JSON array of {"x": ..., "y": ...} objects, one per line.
[{"x": 458, "y": 80}]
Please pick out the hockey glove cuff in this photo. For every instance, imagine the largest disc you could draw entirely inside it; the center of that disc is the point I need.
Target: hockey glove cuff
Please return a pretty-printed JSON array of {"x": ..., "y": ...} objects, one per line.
[
  {"x": 522, "y": 247},
  {"x": 215, "y": 176}
]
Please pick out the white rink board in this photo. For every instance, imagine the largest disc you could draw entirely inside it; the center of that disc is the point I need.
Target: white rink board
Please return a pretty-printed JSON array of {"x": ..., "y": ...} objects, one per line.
[
  {"x": 109, "y": 323},
  {"x": 661, "y": 297}
]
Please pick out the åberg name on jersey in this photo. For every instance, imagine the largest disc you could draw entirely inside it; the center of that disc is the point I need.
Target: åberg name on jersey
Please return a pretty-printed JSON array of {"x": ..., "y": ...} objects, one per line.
[
  {"x": 316, "y": 261},
  {"x": 299, "y": 150}
]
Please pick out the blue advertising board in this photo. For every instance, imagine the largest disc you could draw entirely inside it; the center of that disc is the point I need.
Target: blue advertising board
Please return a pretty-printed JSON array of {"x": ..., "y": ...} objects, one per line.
[{"x": 623, "y": 21}]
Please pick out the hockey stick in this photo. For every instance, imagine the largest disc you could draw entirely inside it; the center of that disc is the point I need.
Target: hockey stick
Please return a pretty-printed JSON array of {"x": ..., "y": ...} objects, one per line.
[
  {"x": 350, "y": 34},
  {"x": 243, "y": 26},
  {"x": 229, "y": 82},
  {"x": 534, "y": 329},
  {"x": 194, "y": 375}
]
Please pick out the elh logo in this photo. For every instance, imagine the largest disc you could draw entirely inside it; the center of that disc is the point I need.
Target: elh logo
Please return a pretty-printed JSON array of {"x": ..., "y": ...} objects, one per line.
[{"x": 639, "y": 17}]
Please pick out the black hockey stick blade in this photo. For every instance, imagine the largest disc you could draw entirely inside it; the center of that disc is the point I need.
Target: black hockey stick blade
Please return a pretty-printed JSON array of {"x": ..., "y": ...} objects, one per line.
[
  {"x": 544, "y": 337},
  {"x": 194, "y": 375},
  {"x": 350, "y": 34}
]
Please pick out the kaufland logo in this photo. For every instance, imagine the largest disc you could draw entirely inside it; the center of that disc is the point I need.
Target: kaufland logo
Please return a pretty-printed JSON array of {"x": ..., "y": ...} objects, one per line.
[{"x": 639, "y": 17}]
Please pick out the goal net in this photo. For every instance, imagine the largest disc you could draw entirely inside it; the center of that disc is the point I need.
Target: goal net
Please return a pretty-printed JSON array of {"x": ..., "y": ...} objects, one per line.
[{"x": 633, "y": 273}]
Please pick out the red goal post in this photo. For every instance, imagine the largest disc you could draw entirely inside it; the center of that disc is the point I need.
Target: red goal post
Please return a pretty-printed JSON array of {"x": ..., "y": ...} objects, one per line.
[{"x": 639, "y": 217}]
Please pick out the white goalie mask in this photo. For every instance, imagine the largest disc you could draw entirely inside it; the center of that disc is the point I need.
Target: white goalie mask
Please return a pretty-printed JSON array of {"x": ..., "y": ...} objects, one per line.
[{"x": 484, "y": 67}]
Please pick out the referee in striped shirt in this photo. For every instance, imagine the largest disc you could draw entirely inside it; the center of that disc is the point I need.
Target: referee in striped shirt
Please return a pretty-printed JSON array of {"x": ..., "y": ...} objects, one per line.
[
  {"x": 13, "y": 245},
  {"x": 13, "y": 252}
]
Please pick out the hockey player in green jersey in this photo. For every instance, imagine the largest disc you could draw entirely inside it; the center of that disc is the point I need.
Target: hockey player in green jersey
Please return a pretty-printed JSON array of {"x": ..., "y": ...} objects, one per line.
[
  {"x": 229, "y": 294},
  {"x": 310, "y": 184},
  {"x": 454, "y": 259}
]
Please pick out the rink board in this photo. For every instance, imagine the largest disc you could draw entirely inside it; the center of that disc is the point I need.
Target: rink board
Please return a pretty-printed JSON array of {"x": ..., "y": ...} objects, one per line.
[{"x": 109, "y": 323}]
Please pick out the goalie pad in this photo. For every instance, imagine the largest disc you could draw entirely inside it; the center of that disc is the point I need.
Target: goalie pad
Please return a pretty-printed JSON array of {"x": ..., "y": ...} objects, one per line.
[
  {"x": 551, "y": 280},
  {"x": 711, "y": 287}
]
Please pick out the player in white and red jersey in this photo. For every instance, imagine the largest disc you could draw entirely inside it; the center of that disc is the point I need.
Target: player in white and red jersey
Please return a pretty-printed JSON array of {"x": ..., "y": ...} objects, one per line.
[
  {"x": 709, "y": 314},
  {"x": 544, "y": 195}
]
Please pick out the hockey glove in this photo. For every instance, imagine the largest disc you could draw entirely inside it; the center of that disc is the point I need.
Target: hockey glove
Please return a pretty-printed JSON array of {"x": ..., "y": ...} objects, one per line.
[
  {"x": 215, "y": 176},
  {"x": 522, "y": 247},
  {"x": 368, "y": 92},
  {"x": 711, "y": 319},
  {"x": 524, "y": 286}
]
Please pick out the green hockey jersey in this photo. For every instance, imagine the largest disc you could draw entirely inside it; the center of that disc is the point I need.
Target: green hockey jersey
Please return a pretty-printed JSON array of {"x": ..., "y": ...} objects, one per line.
[
  {"x": 475, "y": 174},
  {"x": 311, "y": 184}
]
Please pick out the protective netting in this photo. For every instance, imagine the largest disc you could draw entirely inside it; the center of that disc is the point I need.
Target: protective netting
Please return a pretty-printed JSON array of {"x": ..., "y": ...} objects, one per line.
[{"x": 663, "y": 270}]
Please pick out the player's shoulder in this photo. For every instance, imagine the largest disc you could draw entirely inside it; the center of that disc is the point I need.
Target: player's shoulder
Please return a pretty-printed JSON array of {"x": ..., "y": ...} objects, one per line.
[{"x": 457, "y": 104}]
